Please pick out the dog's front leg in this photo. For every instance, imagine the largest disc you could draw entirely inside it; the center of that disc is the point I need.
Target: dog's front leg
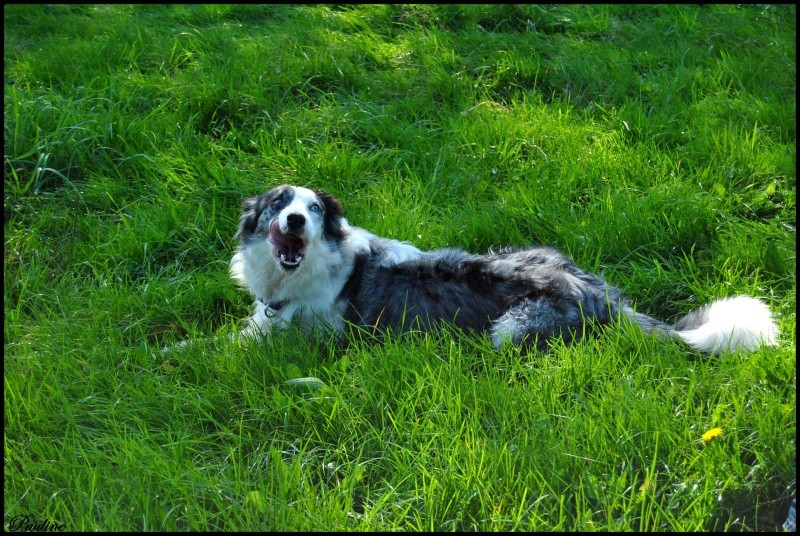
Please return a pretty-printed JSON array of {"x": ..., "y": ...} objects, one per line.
[{"x": 265, "y": 319}]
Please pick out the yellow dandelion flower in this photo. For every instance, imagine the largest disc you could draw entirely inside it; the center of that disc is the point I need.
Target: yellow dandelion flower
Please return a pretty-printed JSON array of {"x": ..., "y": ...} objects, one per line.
[
  {"x": 712, "y": 434},
  {"x": 647, "y": 485}
]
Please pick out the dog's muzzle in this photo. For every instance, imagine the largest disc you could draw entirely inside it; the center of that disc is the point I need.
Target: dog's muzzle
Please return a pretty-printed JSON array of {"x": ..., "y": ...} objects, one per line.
[{"x": 289, "y": 247}]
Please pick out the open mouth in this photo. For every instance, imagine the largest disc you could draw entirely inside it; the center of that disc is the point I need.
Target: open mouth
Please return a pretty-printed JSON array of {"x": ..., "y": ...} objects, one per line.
[{"x": 289, "y": 248}]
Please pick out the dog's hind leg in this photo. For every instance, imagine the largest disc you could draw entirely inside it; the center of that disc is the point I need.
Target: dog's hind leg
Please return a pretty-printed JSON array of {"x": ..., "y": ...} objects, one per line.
[{"x": 536, "y": 321}]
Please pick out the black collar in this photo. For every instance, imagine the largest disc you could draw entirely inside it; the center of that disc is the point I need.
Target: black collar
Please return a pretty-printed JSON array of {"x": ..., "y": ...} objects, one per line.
[{"x": 276, "y": 305}]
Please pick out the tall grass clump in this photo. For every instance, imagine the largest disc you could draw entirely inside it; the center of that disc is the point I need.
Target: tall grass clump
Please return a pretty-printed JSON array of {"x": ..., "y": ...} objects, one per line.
[{"x": 655, "y": 144}]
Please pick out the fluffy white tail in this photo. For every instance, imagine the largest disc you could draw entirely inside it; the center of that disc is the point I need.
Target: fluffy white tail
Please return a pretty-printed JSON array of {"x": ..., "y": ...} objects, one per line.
[{"x": 728, "y": 325}]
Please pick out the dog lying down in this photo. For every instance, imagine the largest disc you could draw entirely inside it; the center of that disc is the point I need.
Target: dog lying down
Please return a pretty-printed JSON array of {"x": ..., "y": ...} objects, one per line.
[{"x": 303, "y": 263}]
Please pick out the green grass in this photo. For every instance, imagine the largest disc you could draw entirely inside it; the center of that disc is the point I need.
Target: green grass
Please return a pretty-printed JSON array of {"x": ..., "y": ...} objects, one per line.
[{"x": 654, "y": 143}]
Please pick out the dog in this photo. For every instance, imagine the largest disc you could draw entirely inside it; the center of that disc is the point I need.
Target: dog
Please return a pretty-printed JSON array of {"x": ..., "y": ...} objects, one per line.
[{"x": 304, "y": 264}]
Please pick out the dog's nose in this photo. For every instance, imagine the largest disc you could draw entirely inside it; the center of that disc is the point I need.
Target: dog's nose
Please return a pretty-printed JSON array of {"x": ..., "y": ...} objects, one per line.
[{"x": 295, "y": 221}]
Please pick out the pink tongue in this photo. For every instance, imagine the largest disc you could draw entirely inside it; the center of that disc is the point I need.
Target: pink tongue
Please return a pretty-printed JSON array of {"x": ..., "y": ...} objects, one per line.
[{"x": 285, "y": 243}]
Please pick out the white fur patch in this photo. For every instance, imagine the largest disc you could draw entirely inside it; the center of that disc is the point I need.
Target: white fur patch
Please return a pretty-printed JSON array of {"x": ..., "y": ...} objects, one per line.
[
  {"x": 396, "y": 252},
  {"x": 400, "y": 252},
  {"x": 739, "y": 322}
]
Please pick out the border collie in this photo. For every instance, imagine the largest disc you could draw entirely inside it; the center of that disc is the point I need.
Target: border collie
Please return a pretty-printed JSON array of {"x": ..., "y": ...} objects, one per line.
[{"x": 303, "y": 263}]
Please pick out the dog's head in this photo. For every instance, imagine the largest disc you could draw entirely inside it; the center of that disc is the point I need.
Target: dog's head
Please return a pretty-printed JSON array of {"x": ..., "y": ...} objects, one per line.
[{"x": 290, "y": 219}]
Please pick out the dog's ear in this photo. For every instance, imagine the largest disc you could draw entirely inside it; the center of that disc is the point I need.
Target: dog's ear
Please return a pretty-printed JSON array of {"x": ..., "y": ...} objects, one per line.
[
  {"x": 251, "y": 210},
  {"x": 333, "y": 215}
]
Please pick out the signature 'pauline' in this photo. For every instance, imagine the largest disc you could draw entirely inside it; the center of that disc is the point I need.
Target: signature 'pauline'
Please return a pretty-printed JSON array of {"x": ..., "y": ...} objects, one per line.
[{"x": 27, "y": 523}]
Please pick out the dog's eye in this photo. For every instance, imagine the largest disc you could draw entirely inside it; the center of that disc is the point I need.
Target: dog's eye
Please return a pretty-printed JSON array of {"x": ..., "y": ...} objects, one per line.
[
  {"x": 278, "y": 203},
  {"x": 315, "y": 208}
]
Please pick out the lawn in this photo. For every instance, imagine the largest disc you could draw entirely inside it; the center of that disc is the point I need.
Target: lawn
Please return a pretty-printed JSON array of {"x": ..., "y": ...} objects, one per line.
[{"x": 654, "y": 144}]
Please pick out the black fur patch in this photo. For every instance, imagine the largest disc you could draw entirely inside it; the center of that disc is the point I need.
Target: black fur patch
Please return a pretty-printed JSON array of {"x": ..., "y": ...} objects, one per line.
[{"x": 332, "y": 226}]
